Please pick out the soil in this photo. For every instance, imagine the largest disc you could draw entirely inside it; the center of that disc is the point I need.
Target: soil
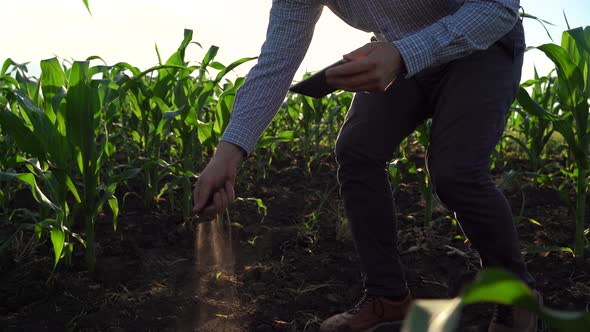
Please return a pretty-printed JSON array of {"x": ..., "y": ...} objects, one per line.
[{"x": 286, "y": 271}]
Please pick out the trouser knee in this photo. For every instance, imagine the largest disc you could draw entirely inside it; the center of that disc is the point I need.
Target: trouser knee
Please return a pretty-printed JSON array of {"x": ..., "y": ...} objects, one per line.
[
  {"x": 453, "y": 184},
  {"x": 356, "y": 160}
]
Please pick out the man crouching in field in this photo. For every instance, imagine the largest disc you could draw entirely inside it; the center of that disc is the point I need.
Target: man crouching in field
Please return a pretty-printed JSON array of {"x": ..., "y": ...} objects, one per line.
[{"x": 455, "y": 61}]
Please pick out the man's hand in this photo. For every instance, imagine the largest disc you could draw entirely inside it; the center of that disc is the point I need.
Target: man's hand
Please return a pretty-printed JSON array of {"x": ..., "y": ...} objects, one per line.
[
  {"x": 372, "y": 68},
  {"x": 217, "y": 180}
]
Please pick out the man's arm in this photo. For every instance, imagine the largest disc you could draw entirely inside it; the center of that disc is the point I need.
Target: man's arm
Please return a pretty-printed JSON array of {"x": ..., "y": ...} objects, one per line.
[
  {"x": 476, "y": 25},
  {"x": 289, "y": 34}
]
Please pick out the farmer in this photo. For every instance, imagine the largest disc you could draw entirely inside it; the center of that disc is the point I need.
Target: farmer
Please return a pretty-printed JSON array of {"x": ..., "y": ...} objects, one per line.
[{"x": 455, "y": 61}]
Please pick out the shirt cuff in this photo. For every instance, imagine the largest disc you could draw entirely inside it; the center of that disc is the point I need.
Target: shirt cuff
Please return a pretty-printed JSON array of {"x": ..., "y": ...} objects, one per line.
[
  {"x": 416, "y": 51},
  {"x": 241, "y": 136}
]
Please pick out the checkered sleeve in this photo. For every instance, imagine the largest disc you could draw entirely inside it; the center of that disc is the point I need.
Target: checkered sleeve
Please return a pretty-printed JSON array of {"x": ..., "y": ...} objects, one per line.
[
  {"x": 476, "y": 25},
  {"x": 289, "y": 34}
]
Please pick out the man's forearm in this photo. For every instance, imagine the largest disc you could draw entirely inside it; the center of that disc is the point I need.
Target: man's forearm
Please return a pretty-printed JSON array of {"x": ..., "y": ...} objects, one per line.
[{"x": 289, "y": 34}]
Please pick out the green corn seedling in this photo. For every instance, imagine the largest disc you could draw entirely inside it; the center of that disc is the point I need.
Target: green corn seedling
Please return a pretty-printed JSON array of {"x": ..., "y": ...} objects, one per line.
[
  {"x": 194, "y": 129},
  {"x": 178, "y": 119},
  {"x": 535, "y": 131},
  {"x": 60, "y": 127},
  {"x": 572, "y": 60},
  {"x": 491, "y": 286},
  {"x": 426, "y": 186},
  {"x": 311, "y": 123}
]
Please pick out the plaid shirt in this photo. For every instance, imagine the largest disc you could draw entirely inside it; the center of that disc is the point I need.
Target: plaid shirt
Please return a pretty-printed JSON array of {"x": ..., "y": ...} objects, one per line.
[{"x": 426, "y": 32}]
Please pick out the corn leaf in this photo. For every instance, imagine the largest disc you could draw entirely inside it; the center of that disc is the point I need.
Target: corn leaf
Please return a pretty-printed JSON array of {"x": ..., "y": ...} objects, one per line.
[
  {"x": 58, "y": 240},
  {"x": 491, "y": 286},
  {"x": 209, "y": 56},
  {"x": 87, "y": 6},
  {"x": 82, "y": 105},
  {"x": 7, "y": 63},
  {"x": 231, "y": 67},
  {"x": 578, "y": 48},
  {"x": 114, "y": 205},
  {"x": 72, "y": 188},
  {"x": 285, "y": 136},
  {"x": 52, "y": 81},
  {"x": 29, "y": 180},
  {"x": 532, "y": 107},
  {"x": 166, "y": 73},
  {"x": 205, "y": 132},
  {"x": 566, "y": 130},
  {"x": 500, "y": 287},
  {"x": 24, "y": 137},
  {"x": 223, "y": 111},
  {"x": 217, "y": 65},
  {"x": 77, "y": 104},
  {"x": 167, "y": 117},
  {"x": 433, "y": 316},
  {"x": 570, "y": 89},
  {"x": 543, "y": 22},
  {"x": 122, "y": 66},
  {"x": 9, "y": 81},
  {"x": 190, "y": 117}
]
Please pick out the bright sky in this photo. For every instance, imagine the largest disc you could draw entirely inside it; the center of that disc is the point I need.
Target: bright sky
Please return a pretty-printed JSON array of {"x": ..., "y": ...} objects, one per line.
[{"x": 127, "y": 30}]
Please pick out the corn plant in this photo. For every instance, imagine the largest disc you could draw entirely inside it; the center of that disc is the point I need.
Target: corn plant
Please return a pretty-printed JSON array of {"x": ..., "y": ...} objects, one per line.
[
  {"x": 535, "y": 132},
  {"x": 7, "y": 145},
  {"x": 395, "y": 174},
  {"x": 143, "y": 100},
  {"x": 59, "y": 125},
  {"x": 311, "y": 123},
  {"x": 87, "y": 6},
  {"x": 148, "y": 99},
  {"x": 491, "y": 286},
  {"x": 195, "y": 129},
  {"x": 403, "y": 162},
  {"x": 422, "y": 136},
  {"x": 572, "y": 60},
  {"x": 177, "y": 119}
]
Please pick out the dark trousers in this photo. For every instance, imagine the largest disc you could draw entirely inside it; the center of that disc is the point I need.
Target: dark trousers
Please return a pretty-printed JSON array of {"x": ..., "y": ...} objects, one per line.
[{"x": 467, "y": 99}]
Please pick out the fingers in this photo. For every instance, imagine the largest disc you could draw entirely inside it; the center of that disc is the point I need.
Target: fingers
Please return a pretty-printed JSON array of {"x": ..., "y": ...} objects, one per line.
[
  {"x": 222, "y": 199},
  {"x": 371, "y": 68},
  {"x": 201, "y": 195},
  {"x": 350, "y": 68},
  {"x": 370, "y": 87},
  {"x": 359, "y": 53},
  {"x": 214, "y": 207},
  {"x": 368, "y": 81},
  {"x": 220, "y": 203}
]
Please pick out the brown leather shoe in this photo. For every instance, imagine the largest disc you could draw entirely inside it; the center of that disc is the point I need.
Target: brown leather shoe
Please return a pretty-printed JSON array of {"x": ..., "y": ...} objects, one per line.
[
  {"x": 370, "y": 313},
  {"x": 514, "y": 319}
]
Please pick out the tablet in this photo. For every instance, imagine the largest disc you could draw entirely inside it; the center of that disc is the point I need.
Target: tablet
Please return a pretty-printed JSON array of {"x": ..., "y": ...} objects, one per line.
[{"x": 315, "y": 85}]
